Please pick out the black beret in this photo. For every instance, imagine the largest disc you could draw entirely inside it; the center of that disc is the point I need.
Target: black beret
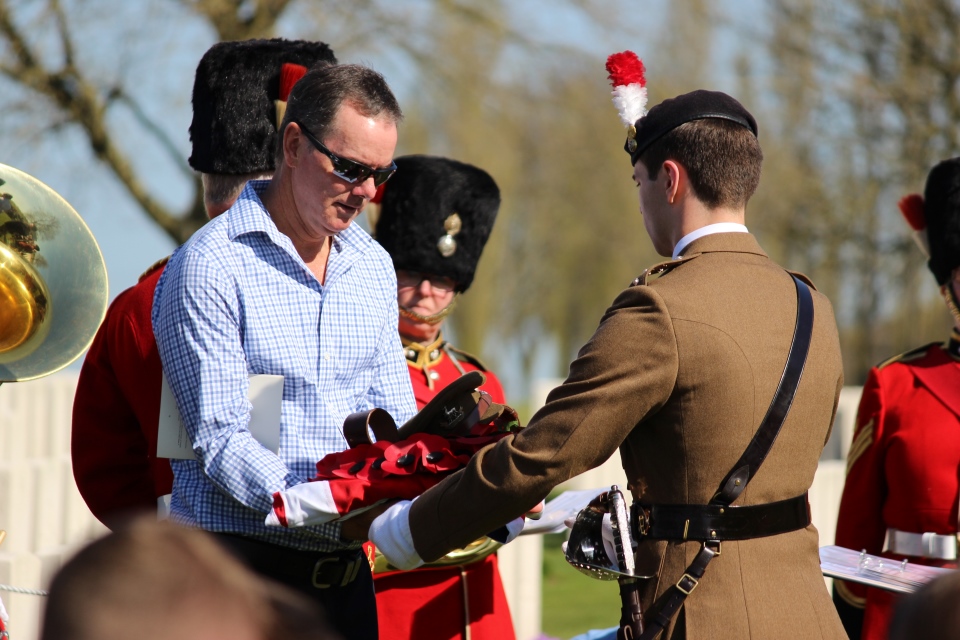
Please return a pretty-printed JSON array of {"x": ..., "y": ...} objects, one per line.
[
  {"x": 941, "y": 210},
  {"x": 234, "y": 129},
  {"x": 436, "y": 215},
  {"x": 673, "y": 112}
]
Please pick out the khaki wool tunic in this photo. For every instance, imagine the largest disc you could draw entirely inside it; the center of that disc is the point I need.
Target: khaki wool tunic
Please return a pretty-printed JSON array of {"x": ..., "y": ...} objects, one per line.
[{"x": 679, "y": 375}]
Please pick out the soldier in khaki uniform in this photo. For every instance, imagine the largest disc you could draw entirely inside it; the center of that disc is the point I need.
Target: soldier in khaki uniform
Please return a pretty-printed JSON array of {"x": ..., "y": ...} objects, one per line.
[{"x": 678, "y": 376}]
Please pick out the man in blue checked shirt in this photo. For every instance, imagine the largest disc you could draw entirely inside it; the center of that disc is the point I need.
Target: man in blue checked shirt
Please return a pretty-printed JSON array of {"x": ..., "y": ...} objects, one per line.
[{"x": 284, "y": 284}]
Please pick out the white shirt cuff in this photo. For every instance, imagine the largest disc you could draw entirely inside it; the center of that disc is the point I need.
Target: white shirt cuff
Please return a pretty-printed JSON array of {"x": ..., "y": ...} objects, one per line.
[{"x": 390, "y": 532}]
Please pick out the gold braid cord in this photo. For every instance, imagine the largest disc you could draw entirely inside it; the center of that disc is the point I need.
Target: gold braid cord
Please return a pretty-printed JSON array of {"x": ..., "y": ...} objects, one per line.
[
  {"x": 861, "y": 443},
  {"x": 947, "y": 292},
  {"x": 436, "y": 318}
]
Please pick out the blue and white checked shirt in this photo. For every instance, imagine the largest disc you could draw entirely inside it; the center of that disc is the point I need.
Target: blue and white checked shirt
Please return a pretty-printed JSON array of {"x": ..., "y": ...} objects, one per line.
[{"x": 237, "y": 300}]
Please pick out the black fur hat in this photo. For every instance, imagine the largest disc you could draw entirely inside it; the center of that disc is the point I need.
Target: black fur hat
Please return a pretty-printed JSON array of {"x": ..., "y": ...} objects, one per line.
[
  {"x": 436, "y": 215},
  {"x": 942, "y": 215},
  {"x": 234, "y": 129}
]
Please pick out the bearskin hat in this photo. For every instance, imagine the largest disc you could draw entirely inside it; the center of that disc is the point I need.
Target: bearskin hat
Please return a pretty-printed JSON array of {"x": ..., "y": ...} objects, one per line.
[
  {"x": 234, "y": 129},
  {"x": 436, "y": 215},
  {"x": 942, "y": 215}
]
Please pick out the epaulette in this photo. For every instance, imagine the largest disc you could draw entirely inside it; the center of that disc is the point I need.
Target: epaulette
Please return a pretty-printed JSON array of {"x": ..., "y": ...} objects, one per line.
[
  {"x": 159, "y": 264},
  {"x": 909, "y": 356},
  {"x": 661, "y": 269},
  {"x": 469, "y": 357}
]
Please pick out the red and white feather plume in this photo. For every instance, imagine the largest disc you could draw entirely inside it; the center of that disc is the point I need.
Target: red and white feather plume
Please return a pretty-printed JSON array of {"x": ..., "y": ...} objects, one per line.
[
  {"x": 289, "y": 74},
  {"x": 626, "y": 73},
  {"x": 911, "y": 206}
]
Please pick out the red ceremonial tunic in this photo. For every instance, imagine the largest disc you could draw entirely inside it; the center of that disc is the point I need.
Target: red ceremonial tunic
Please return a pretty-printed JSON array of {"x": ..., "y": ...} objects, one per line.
[
  {"x": 902, "y": 469},
  {"x": 432, "y": 603},
  {"x": 117, "y": 407}
]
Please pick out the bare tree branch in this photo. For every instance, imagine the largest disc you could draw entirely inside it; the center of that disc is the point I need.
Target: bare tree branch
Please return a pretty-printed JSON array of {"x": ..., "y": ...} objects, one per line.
[
  {"x": 119, "y": 94},
  {"x": 64, "y": 32},
  {"x": 227, "y": 16},
  {"x": 77, "y": 99}
]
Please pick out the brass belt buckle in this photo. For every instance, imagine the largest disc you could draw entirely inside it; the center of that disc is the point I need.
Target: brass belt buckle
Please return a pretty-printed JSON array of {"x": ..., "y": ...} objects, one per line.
[
  {"x": 324, "y": 579},
  {"x": 687, "y": 583},
  {"x": 643, "y": 521}
]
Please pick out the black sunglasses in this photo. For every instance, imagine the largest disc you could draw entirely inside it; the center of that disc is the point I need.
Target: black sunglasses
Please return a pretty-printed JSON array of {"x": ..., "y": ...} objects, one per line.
[
  {"x": 349, "y": 170},
  {"x": 410, "y": 279}
]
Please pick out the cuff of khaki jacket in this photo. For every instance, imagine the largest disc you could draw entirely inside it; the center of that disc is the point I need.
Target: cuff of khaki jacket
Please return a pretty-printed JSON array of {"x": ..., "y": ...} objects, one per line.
[
  {"x": 390, "y": 533},
  {"x": 508, "y": 532}
]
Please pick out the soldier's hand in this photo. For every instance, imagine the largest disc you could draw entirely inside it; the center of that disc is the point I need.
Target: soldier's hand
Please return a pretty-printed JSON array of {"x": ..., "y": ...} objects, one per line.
[
  {"x": 537, "y": 511},
  {"x": 358, "y": 526}
]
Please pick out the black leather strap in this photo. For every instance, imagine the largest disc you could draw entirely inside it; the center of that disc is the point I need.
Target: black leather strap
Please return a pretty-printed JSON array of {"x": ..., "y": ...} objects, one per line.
[
  {"x": 756, "y": 452},
  {"x": 452, "y": 412},
  {"x": 358, "y": 427},
  {"x": 719, "y": 522},
  {"x": 679, "y": 591},
  {"x": 746, "y": 468},
  {"x": 444, "y": 414}
]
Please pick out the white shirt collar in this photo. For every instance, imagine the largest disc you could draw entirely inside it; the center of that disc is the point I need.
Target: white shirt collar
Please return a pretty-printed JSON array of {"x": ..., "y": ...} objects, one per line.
[{"x": 718, "y": 227}]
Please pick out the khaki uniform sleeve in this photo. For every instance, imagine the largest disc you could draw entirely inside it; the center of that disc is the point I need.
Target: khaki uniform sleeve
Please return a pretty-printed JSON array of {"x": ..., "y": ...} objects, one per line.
[{"x": 624, "y": 373}]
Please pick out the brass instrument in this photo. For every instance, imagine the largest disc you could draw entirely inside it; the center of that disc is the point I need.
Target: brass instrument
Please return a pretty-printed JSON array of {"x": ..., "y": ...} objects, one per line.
[{"x": 53, "y": 281}]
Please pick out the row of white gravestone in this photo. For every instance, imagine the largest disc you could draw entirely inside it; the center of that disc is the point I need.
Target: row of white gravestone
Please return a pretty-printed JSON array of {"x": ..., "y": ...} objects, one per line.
[{"x": 41, "y": 510}]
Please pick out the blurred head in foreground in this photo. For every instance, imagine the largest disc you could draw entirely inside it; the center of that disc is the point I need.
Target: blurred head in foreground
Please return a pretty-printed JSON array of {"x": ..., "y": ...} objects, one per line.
[
  {"x": 154, "y": 579},
  {"x": 932, "y": 613}
]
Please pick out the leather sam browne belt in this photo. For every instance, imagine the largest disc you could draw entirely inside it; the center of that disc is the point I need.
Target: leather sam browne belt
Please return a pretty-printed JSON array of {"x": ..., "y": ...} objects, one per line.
[{"x": 719, "y": 522}]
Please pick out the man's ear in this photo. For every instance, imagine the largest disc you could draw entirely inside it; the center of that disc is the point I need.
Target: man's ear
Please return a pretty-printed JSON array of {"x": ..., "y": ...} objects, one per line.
[
  {"x": 292, "y": 138},
  {"x": 675, "y": 177}
]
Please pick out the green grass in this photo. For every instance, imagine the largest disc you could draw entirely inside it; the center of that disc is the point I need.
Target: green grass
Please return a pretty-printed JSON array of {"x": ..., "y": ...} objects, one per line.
[{"x": 572, "y": 602}]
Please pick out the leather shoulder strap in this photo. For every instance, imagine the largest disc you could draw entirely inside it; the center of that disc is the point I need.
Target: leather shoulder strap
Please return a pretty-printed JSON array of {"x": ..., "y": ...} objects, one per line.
[{"x": 749, "y": 463}]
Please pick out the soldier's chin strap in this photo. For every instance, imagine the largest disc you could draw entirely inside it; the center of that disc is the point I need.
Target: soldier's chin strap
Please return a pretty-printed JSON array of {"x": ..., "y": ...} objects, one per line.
[
  {"x": 436, "y": 318},
  {"x": 743, "y": 471},
  {"x": 952, "y": 303}
]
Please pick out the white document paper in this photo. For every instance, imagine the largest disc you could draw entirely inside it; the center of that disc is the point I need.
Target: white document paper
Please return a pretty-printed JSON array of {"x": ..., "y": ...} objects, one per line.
[
  {"x": 266, "y": 396},
  {"x": 567, "y": 505},
  {"x": 876, "y": 571}
]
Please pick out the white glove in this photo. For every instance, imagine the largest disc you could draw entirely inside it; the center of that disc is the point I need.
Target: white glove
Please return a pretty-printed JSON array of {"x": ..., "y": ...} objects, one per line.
[{"x": 390, "y": 533}]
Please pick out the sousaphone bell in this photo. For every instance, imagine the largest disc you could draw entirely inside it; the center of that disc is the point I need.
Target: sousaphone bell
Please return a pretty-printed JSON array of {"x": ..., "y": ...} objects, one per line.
[{"x": 53, "y": 281}]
